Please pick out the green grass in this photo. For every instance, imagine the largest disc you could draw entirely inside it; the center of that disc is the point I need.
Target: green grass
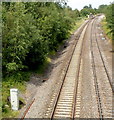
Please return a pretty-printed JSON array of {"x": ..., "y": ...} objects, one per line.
[
  {"x": 107, "y": 32},
  {"x": 106, "y": 29},
  {"x": 52, "y": 53},
  {"x": 77, "y": 24},
  {"x": 17, "y": 80},
  {"x": 41, "y": 68}
]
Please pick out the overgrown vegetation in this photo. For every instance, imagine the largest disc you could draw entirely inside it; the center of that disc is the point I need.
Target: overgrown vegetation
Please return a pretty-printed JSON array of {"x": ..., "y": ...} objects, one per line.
[
  {"x": 31, "y": 31},
  {"x": 109, "y": 21},
  {"x": 106, "y": 29},
  {"x": 17, "y": 80},
  {"x": 87, "y": 10}
]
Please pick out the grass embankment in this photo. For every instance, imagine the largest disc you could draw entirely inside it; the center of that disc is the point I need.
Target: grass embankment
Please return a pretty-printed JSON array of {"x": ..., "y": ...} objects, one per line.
[
  {"x": 15, "y": 81},
  {"x": 19, "y": 79},
  {"x": 107, "y": 32},
  {"x": 106, "y": 29}
]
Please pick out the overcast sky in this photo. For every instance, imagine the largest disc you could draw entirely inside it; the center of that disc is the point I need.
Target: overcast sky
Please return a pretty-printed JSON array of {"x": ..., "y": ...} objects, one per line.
[{"x": 79, "y": 4}]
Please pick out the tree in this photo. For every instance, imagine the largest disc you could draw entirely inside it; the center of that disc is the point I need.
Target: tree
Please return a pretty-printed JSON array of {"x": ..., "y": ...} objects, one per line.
[
  {"x": 86, "y": 6},
  {"x": 102, "y": 8},
  {"x": 87, "y": 10},
  {"x": 90, "y": 6},
  {"x": 17, "y": 31}
]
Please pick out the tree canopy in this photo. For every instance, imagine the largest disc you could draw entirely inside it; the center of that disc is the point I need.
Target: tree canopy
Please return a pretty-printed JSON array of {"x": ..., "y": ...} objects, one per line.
[{"x": 32, "y": 30}]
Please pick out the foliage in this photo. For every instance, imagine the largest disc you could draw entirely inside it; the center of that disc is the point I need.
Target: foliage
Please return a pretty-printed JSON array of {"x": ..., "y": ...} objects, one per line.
[
  {"x": 110, "y": 18},
  {"x": 90, "y": 6},
  {"x": 106, "y": 29},
  {"x": 17, "y": 80},
  {"x": 17, "y": 32},
  {"x": 102, "y": 8},
  {"x": 87, "y": 10},
  {"x": 108, "y": 11},
  {"x": 31, "y": 31}
]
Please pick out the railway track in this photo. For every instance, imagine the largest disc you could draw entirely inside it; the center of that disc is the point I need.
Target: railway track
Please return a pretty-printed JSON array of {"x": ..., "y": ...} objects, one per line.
[
  {"x": 65, "y": 103},
  {"x": 103, "y": 86},
  {"x": 95, "y": 77},
  {"x": 103, "y": 61}
]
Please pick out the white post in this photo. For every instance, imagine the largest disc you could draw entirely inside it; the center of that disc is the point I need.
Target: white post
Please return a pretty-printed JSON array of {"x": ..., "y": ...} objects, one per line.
[{"x": 14, "y": 99}]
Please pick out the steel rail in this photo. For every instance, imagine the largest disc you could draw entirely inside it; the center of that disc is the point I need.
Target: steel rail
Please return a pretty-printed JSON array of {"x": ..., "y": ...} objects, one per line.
[
  {"x": 75, "y": 91},
  {"x": 104, "y": 63},
  {"x": 95, "y": 77}
]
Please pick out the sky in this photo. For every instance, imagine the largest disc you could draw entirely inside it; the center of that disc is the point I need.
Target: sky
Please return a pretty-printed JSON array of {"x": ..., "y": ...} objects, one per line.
[{"x": 79, "y": 4}]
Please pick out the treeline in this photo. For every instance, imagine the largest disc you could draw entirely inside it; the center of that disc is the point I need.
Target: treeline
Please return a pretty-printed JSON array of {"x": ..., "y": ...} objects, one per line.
[
  {"x": 31, "y": 31},
  {"x": 87, "y": 10},
  {"x": 108, "y": 11}
]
